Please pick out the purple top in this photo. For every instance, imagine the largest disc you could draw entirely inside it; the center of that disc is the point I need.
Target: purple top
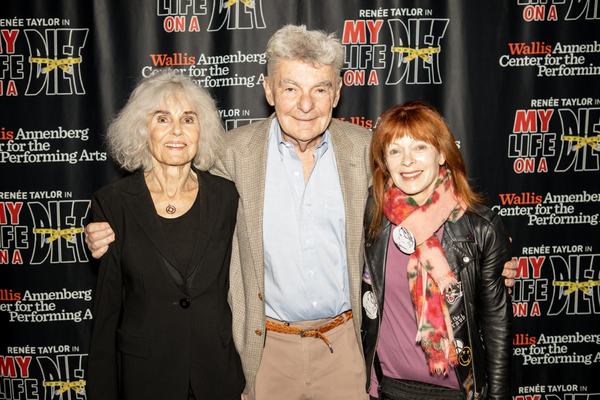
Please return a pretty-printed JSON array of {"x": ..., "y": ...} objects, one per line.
[{"x": 399, "y": 354}]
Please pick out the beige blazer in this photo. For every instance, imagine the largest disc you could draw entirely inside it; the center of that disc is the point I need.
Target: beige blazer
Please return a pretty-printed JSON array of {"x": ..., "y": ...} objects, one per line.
[{"x": 244, "y": 161}]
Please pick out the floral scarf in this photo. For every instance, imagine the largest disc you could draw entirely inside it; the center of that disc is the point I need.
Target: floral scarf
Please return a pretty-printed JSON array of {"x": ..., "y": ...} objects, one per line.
[{"x": 429, "y": 274}]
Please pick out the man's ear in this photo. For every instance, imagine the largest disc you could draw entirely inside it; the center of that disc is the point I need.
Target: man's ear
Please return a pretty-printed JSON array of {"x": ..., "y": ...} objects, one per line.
[
  {"x": 268, "y": 88},
  {"x": 338, "y": 90}
]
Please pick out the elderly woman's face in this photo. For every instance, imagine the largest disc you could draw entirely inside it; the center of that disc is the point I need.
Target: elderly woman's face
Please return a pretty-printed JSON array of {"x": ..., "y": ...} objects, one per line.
[
  {"x": 414, "y": 166},
  {"x": 174, "y": 131}
]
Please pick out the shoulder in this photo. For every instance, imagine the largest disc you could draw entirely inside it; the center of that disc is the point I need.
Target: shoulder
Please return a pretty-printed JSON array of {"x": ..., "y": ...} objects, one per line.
[
  {"x": 482, "y": 214},
  {"x": 218, "y": 183},
  {"x": 353, "y": 132},
  {"x": 486, "y": 225},
  {"x": 241, "y": 136},
  {"x": 115, "y": 188},
  {"x": 220, "y": 188},
  {"x": 108, "y": 202}
]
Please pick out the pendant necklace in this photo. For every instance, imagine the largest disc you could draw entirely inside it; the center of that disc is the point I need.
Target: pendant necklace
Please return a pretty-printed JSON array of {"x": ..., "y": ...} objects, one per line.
[{"x": 170, "y": 208}]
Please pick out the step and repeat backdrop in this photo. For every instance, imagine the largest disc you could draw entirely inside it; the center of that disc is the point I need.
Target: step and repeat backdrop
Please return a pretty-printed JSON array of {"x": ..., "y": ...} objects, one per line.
[{"x": 517, "y": 80}]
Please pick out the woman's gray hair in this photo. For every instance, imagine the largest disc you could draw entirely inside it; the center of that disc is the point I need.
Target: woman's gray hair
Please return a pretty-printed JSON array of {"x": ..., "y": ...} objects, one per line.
[
  {"x": 293, "y": 42},
  {"x": 127, "y": 135}
]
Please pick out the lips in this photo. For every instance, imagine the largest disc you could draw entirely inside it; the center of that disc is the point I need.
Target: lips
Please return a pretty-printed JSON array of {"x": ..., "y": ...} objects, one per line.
[
  {"x": 175, "y": 145},
  {"x": 306, "y": 118},
  {"x": 410, "y": 175}
]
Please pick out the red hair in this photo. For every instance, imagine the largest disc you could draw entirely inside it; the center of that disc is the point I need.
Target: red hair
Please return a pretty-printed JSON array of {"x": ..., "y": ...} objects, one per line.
[{"x": 422, "y": 122}]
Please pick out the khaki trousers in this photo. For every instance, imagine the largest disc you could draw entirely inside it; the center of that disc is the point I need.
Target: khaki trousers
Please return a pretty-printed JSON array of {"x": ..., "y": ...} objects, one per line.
[{"x": 303, "y": 368}]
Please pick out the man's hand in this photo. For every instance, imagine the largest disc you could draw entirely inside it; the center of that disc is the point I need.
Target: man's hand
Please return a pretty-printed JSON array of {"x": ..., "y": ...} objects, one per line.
[
  {"x": 509, "y": 273},
  {"x": 98, "y": 235}
]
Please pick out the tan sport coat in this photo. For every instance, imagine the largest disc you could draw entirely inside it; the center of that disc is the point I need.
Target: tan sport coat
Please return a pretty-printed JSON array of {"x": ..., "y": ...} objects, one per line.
[{"x": 244, "y": 161}]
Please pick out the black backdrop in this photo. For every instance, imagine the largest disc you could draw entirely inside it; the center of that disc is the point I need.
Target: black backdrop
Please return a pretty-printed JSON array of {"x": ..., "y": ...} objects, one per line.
[{"x": 517, "y": 80}]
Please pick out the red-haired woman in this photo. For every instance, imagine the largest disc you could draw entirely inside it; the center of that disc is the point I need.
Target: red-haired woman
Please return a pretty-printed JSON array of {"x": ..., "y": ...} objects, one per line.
[{"x": 437, "y": 315}]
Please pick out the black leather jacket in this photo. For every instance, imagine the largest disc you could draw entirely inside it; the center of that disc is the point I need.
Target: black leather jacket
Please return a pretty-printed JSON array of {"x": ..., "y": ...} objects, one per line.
[{"x": 476, "y": 247}]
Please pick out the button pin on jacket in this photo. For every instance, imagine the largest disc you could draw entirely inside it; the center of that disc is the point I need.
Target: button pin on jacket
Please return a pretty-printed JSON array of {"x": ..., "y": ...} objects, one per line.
[{"x": 404, "y": 239}]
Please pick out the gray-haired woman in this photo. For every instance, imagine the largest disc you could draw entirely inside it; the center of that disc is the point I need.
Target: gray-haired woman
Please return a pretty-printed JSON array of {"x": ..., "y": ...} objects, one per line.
[{"x": 162, "y": 326}]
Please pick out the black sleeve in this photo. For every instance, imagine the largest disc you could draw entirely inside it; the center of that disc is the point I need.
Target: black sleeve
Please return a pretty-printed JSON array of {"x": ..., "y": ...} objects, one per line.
[
  {"x": 103, "y": 365},
  {"x": 494, "y": 309}
]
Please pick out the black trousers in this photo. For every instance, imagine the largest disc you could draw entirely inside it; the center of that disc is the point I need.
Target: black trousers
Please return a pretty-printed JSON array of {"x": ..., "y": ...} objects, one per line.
[{"x": 399, "y": 389}]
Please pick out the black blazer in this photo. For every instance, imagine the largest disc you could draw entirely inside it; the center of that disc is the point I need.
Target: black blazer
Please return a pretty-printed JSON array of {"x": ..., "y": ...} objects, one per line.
[{"x": 155, "y": 331}]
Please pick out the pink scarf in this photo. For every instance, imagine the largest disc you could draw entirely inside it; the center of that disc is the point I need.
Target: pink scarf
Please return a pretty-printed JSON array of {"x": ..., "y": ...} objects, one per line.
[{"x": 429, "y": 274}]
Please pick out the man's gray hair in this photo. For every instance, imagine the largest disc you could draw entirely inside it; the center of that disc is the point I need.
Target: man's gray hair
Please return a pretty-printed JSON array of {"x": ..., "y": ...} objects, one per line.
[
  {"x": 293, "y": 42},
  {"x": 128, "y": 134}
]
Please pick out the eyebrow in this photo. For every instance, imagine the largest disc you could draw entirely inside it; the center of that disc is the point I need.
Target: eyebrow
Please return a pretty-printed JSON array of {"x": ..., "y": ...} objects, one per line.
[{"x": 169, "y": 113}]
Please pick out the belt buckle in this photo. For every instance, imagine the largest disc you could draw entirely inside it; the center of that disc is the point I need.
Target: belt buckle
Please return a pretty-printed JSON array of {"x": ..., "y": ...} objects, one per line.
[{"x": 303, "y": 332}]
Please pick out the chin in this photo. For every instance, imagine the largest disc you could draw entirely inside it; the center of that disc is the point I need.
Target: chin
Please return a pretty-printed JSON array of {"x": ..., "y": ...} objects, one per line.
[{"x": 176, "y": 163}]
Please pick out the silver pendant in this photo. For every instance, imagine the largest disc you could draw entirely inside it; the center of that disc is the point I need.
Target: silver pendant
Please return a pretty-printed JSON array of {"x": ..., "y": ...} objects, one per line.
[
  {"x": 170, "y": 209},
  {"x": 404, "y": 240}
]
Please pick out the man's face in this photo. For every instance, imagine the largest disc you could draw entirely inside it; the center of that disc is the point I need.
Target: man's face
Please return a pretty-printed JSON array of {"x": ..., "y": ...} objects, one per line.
[{"x": 304, "y": 96}]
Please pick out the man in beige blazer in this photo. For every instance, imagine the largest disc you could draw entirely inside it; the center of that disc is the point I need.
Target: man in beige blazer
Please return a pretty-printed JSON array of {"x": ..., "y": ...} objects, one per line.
[
  {"x": 303, "y": 85},
  {"x": 297, "y": 255}
]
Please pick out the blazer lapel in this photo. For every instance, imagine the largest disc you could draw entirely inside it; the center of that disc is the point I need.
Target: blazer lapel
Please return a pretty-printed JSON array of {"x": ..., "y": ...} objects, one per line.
[
  {"x": 251, "y": 184},
  {"x": 210, "y": 208},
  {"x": 348, "y": 171},
  {"x": 141, "y": 207}
]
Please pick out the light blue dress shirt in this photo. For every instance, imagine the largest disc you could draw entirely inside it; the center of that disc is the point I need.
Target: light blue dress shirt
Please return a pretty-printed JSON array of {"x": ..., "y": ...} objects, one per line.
[{"x": 304, "y": 232}]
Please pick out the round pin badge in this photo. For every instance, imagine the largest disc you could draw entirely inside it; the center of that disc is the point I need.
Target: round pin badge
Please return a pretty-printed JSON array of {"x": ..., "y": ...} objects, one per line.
[
  {"x": 370, "y": 304},
  {"x": 404, "y": 240}
]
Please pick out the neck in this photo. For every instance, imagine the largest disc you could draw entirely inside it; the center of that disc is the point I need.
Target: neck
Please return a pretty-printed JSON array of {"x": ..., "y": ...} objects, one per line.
[
  {"x": 171, "y": 180},
  {"x": 303, "y": 147}
]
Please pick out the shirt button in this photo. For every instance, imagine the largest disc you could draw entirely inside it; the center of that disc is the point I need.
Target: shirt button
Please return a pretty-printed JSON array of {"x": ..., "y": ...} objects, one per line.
[
  {"x": 258, "y": 332},
  {"x": 466, "y": 259},
  {"x": 184, "y": 303},
  {"x": 260, "y": 296}
]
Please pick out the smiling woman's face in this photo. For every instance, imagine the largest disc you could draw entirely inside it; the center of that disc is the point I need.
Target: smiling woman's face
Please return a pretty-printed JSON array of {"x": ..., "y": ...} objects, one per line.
[
  {"x": 174, "y": 132},
  {"x": 414, "y": 166}
]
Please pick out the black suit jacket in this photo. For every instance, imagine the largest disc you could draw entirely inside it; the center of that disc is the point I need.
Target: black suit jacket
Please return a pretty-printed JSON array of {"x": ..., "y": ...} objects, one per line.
[{"x": 156, "y": 332}]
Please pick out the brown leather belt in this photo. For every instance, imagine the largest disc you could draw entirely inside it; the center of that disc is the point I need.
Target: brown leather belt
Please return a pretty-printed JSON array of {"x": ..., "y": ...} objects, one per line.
[{"x": 317, "y": 333}]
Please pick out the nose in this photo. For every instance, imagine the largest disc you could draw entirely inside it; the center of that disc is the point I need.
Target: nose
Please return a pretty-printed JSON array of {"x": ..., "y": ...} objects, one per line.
[
  {"x": 305, "y": 103},
  {"x": 408, "y": 159},
  {"x": 177, "y": 128}
]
